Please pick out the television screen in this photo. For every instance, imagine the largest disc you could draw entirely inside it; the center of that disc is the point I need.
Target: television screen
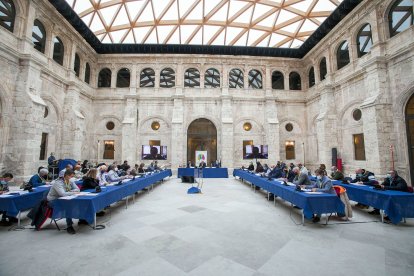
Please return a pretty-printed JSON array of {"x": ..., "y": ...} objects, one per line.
[
  {"x": 154, "y": 152},
  {"x": 256, "y": 152}
]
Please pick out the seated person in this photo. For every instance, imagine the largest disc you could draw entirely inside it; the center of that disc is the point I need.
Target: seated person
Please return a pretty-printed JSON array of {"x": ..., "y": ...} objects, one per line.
[
  {"x": 336, "y": 174},
  {"x": 141, "y": 168},
  {"x": 68, "y": 167},
  {"x": 362, "y": 176},
  {"x": 151, "y": 167},
  {"x": 112, "y": 176},
  {"x": 189, "y": 165},
  {"x": 90, "y": 180},
  {"x": 259, "y": 167},
  {"x": 302, "y": 168},
  {"x": 125, "y": 167},
  {"x": 5, "y": 181},
  {"x": 156, "y": 167},
  {"x": 290, "y": 175},
  {"x": 266, "y": 170},
  {"x": 39, "y": 179},
  {"x": 102, "y": 173},
  {"x": 301, "y": 178},
  {"x": 323, "y": 168},
  {"x": 250, "y": 167},
  {"x": 323, "y": 184},
  {"x": 77, "y": 171},
  {"x": 202, "y": 164},
  {"x": 392, "y": 182},
  {"x": 255, "y": 154},
  {"x": 61, "y": 187},
  {"x": 84, "y": 166},
  {"x": 276, "y": 172}
]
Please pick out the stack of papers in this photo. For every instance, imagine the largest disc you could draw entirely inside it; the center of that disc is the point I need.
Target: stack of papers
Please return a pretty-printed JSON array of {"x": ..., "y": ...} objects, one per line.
[
  {"x": 69, "y": 197},
  {"x": 87, "y": 194}
]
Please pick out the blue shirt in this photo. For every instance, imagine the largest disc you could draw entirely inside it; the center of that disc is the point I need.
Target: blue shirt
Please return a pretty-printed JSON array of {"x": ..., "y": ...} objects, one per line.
[{"x": 36, "y": 180}]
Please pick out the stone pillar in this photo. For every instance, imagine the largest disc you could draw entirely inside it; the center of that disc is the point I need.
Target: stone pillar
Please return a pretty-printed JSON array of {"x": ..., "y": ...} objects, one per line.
[
  {"x": 28, "y": 109},
  {"x": 73, "y": 126},
  {"x": 129, "y": 131},
  {"x": 226, "y": 154},
  {"x": 272, "y": 127},
  {"x": 178, "y": 146},
  {"x": 326, "y": 131}
]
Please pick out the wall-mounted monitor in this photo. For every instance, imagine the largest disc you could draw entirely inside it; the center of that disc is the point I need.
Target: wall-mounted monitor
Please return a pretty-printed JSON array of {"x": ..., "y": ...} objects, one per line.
[
  {"x": 154, "y": 152},
  {"x": 256, "y": 152}
]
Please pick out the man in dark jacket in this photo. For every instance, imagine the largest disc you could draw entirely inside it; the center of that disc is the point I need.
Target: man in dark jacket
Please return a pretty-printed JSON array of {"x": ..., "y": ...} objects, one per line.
[{"x": 392, "y": 182}]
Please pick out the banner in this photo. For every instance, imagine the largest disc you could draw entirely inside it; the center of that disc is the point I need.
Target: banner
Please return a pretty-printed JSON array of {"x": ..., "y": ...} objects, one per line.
[{"x": 200, "y": 155}]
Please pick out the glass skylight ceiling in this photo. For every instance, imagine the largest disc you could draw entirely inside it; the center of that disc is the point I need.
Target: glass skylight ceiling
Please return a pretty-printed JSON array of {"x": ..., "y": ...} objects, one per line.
[{"x": 262, "y": 23}]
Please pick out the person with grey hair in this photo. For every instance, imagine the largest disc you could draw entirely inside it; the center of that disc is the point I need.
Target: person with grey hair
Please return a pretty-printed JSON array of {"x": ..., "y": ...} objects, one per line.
[
  {"x": 112, "y": 176},
  {"x": 40, "y": 178},
  {"x": 301, "y": 177}
]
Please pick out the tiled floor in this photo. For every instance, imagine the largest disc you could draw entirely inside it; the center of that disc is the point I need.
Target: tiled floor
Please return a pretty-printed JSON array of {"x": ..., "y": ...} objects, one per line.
[{"x": 226, "y": 230}]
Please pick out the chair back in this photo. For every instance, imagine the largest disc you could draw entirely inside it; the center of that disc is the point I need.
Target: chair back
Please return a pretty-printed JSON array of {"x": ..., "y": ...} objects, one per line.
[{"x": 339, "y": 190}]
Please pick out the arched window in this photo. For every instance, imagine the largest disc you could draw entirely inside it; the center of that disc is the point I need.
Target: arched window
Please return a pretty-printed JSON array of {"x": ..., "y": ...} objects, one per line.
[
  {"x": 342, "y": 55},
  {"x": 104, "y": 78},
  {"x": 39, "y": 36},
  {"x": 323, "y": 69},
  {"x": 87, "y": 73},
  {"x": 236, "y": 79},
  {"x": 123, "y": 78},
  {"x": 147, "y": 78},
  {"x": 167, "y": 79},
  {"x": 212, "y": 78},
  {"x": 401, "y": 16},
  {"x": 311, "y": 77},
  {"x": 364, "y": 40},
  {"x": 76, "y": 65},
  {"x": 7, "y": 14},
  {"x": 58, "y": 50},
  {"x": 278, "y": 80},
  {"x": 192, "y": 78},
  {"x": 255, "y": 79},
  {"x": 295, "y": 82}
]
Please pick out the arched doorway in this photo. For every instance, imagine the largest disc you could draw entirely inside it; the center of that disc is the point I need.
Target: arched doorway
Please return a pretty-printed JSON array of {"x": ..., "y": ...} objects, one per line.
[
  {"x": 202, "y": 135},
  {"x": 409, "y": 115}
]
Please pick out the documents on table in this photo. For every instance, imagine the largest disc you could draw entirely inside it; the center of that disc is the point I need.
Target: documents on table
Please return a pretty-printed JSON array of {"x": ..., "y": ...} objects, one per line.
[
  {"x": 291, "y": 184},
  {"x": 68, "y": 197},
  {"x": 315, "y": 193},
  {"x": 87, "y": 194},
  {"x": 5, "y": 195},
  {"x": 357, "y": 184}
]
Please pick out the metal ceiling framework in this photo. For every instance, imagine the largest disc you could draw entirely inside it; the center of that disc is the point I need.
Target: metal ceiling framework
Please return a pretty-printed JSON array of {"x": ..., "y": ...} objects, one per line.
[{"x": 283, "y": 28}]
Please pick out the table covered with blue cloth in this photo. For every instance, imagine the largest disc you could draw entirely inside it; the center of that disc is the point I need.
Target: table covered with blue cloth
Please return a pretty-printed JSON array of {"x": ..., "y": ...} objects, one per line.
[
  {"x": 17, "y": 203},
  {"x": 207, "y": 172},
  {"x": 85, "y": 207},
  {"x": 396, "y": 204},
  {"x": 310, "y": 203}
]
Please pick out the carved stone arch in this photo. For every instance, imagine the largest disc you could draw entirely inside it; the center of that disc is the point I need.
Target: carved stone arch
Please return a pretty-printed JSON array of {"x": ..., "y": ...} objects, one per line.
[
  {"x": 214, "y": 120},
  {"x": 57, "y": 107},
  {"x": 402, "y": 100},
  {"x": 349, "y": 105}
]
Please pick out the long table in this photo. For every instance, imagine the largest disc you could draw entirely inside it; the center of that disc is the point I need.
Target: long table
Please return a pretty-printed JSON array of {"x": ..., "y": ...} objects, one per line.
[
  {"x": 397, "y": 205},
  {"x": 14, "y": 204},
  {"x": 310, "y": 203},
  {"x": 207, "y": 172},
  {"x": 86, "y": 206}
]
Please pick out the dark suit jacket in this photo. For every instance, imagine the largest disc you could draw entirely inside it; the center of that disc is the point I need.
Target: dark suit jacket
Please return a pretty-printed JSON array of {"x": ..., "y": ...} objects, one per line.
[{"x": 398, "y": 184}]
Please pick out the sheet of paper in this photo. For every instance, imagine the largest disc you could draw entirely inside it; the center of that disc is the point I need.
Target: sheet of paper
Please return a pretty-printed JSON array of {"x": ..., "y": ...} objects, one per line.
[
  {"x": 5, "y": 195},
  {"x": 87, "y": 194},
  {"x": 126, "y": 180},
  {"x": 68, "y": 197},
  {"x": 314, "y": 193},
  {"x": 357, "y": 184},
  {"x": 291, "y": 184}
]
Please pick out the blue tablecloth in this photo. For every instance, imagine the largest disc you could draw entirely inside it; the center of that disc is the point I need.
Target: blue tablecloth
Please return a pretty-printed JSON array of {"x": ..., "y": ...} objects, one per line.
[
  {"x": 17, "y": 203},
  {"x": 396, "y": 204},
  {"x": 85, "y": 207},
  {"x": 207, "y": 172},
  {"x": 310, "y": 203}
]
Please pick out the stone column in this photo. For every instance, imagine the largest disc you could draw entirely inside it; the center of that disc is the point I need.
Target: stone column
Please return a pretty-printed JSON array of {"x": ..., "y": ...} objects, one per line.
[
  {"x": 129, "y": 131},
  {"x": 226, "y": 153},
  {"x": 178, "y": 146},
  {"x": 271, "y": 127},
  {"x": 28, "y": 109},
  {"x": 73, "y": 126},
  {"x": 326, "y": 131}
]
